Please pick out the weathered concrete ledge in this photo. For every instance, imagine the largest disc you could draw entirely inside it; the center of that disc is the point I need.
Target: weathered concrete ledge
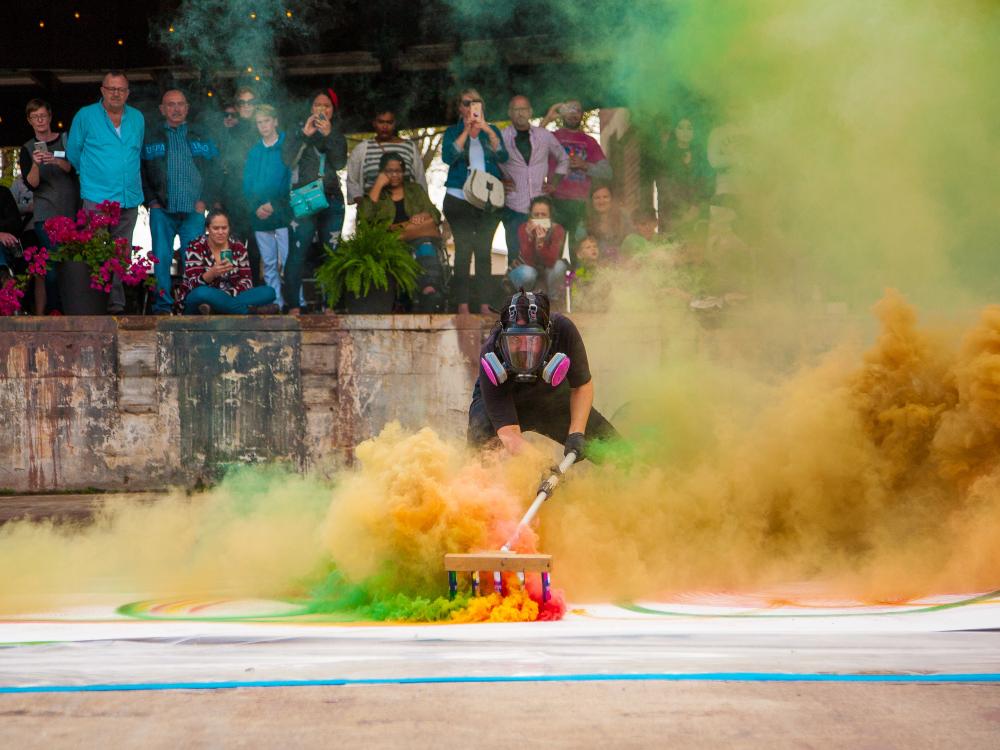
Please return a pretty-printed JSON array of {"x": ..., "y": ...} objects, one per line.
[{"x": 139, "y": 403}]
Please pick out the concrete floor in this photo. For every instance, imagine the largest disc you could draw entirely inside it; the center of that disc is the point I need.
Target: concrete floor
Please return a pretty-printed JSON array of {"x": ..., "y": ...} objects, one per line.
[{"x": 555, "y": 715}]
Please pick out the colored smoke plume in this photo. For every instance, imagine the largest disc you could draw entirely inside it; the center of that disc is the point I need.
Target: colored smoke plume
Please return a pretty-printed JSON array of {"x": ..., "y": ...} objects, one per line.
[
  {"x": 875, "y": 473},
  {"x": 257, "y": 534},
  {"x": 882, "y": 478}
]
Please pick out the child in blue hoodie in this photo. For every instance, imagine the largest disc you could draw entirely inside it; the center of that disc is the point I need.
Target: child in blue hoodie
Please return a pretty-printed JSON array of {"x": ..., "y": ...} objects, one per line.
[{"x": 266, "y": 182}]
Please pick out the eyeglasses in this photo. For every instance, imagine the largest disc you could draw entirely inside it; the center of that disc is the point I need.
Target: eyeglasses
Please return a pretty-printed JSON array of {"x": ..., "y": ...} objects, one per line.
[
  {"x": 245, "y": 102},
  {"x": 469, "y": 102},
  {"x": 117, "y": 90},
  {"x": 40, "y": 117},
  {"x": 229, "y": 115}
]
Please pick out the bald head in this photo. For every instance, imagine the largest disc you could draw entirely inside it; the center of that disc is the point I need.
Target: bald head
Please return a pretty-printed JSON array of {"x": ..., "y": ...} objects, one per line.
[{"x": 519, "y": 110}]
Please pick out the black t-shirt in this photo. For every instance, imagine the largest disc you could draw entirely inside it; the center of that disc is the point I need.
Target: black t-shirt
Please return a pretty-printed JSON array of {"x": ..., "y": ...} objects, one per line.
[
  {"x": 500, "y": 399},
  {"x": 401, "y": 214},
  {"x": 522, "y": 139}
]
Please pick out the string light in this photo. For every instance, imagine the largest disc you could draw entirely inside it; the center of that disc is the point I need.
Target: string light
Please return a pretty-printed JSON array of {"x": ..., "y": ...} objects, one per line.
[
  {"x": 171, "y": 29},
  {"x": 121, "y": 42},
  {"x": 288, "y": 13},
  {"x": 249, "y": 68},
  {"x": 253, "y": 16},
  {"x": 256, "y": 78},
  {"x": 41, "y": 24},
  {"x": 59, "y": 124},
  {"x": 210, "y": 93},
  {"x": 76, "y": 15}
]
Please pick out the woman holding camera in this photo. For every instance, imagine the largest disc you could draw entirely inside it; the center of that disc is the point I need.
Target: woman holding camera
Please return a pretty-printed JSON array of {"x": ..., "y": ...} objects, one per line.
[
  {"x": 217, "y": 277},
  {"x": 471, "y": 143},
  {"x": 317, "y": 142}
]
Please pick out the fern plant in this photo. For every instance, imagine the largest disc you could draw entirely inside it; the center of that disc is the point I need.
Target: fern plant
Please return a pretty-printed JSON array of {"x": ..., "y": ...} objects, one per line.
[{"x": 370, "y": 258}]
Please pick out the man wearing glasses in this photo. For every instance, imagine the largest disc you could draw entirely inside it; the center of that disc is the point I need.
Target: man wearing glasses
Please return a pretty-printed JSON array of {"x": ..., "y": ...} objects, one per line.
[
  {"x": 526, "y": 172},
  {"x": 103, "y": 145}
]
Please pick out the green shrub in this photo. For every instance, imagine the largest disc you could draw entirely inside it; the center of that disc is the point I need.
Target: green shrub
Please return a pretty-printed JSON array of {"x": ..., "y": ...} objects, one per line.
[{"x": 370, "y": 258}]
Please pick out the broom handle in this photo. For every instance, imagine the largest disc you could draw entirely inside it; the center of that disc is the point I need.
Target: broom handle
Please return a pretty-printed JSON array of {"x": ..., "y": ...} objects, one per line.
[{"x": 543, "y": 494}]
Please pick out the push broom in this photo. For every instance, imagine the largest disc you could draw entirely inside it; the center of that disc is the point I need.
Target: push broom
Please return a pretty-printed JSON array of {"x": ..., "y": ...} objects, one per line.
[{"x": 505, "y": 560}]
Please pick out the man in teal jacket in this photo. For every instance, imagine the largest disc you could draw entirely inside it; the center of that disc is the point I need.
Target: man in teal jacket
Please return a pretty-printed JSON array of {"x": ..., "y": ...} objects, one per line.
[{"x": 104, "y": 144}]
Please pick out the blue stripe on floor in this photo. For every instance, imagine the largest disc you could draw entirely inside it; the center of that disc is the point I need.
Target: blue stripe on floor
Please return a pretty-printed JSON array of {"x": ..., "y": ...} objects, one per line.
[{"x": 976, "y": 677}]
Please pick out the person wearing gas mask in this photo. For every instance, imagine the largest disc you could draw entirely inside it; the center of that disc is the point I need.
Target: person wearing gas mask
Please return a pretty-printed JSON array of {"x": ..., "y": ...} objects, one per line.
[{"x": 534, "y": 376}]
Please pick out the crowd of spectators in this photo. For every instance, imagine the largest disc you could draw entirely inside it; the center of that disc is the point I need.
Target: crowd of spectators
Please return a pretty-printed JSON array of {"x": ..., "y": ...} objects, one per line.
[{"x": 223, "y": 195}]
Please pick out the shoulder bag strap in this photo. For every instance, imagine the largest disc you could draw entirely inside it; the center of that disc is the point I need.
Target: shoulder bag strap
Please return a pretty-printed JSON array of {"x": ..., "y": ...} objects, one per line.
[
  {"x": 295, "y": 161},
  {"x": 322, "y": 162}
]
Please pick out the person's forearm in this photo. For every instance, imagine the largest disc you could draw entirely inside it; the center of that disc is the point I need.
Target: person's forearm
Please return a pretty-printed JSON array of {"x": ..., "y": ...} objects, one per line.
[
  {"x": 511, "y": 437},
  {"x": 32, "y": 177},
  {"x": 580, "y": 402}
]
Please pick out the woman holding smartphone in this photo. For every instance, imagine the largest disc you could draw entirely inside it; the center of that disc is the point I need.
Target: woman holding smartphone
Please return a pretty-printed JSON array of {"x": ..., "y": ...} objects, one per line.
[
  {"x": 50, "y": 176},
  {"x": 315, "y": 140},
  {"x": 217, "y": 277},
  {"x": 471, "y": 143}
]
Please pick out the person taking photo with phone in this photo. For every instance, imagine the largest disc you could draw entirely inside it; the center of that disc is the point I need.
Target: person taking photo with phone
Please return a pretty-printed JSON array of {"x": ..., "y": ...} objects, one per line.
[
  {"x": 471, "y": 144},
  {"x": 48, "y": 173},
  {"x": 316, "y": 143},
  {"x": 217, "y": 276}
]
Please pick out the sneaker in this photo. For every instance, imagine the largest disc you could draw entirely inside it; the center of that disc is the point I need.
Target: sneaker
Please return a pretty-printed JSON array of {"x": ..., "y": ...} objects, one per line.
[
  {"x": 204, "y": 309},
  {"x": 271, "y": 309}
]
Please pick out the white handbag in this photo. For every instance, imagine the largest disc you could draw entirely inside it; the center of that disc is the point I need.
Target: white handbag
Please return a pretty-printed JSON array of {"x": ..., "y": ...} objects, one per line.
[{"x": 483, "y": 190}]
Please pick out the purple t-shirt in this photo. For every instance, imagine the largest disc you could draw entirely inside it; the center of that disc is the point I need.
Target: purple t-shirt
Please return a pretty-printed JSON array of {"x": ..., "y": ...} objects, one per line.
[{"x": 575, "y": 186}]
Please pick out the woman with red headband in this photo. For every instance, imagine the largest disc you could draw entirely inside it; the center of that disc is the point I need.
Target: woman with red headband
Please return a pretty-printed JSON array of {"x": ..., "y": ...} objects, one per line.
[{"x": 317, "y": 144}]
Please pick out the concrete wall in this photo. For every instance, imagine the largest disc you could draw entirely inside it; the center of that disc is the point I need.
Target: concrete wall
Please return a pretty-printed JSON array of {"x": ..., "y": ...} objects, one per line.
[{"x": 145, "y": 403}]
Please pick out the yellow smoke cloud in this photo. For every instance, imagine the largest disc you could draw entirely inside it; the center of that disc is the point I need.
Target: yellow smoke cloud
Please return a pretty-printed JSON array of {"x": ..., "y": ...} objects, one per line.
[{"x": 879, "y": 477}]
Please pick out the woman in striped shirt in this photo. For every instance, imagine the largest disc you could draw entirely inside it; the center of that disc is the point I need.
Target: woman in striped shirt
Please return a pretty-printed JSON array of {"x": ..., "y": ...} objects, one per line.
[{"x": 363, "y": 164}]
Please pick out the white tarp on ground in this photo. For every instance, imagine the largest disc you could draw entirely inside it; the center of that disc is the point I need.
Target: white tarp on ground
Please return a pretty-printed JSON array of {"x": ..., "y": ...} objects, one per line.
[{"x": 794, "y": 630}]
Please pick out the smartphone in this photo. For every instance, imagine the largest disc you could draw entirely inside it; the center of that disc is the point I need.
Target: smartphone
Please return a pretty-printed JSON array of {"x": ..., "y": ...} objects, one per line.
[
  {"x": 226, "y": 256},
  {"x": 476, "y": 111},
  {"x": 42, "y": 146},
  {"x": 321, "y": 117}
]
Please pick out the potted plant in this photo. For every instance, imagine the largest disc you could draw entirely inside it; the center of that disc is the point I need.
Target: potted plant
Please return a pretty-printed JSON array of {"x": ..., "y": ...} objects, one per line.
[
  {"x": 87, "y": 257},
  {"x": 366, "y": 270}
]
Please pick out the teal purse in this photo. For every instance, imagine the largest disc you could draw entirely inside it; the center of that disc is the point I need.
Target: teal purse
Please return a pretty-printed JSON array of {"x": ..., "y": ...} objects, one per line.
[{"x": 310, "y": 198}]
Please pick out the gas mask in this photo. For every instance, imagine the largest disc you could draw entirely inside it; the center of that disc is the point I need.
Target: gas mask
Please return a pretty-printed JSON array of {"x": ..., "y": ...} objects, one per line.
[{"x": 524, "y": 347}]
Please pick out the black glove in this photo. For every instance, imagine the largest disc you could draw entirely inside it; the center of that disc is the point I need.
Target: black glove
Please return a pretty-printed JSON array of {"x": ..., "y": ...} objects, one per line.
[{"x": 575, "y": 443}]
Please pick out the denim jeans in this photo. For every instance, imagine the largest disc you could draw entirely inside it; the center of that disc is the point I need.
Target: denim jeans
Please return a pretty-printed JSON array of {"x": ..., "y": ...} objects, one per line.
[
  {"x": 225, "y": 304},
  {"x": 329, "y": 222},
  {"x": 526, "y": 276},
  {"x": 164, "y": 226},
  {"x": 512, "y": 221},
  {"x": 52, "y": 301},
  {"x": 473, "y": 230},
  {"x": 273, "y": 246}
]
